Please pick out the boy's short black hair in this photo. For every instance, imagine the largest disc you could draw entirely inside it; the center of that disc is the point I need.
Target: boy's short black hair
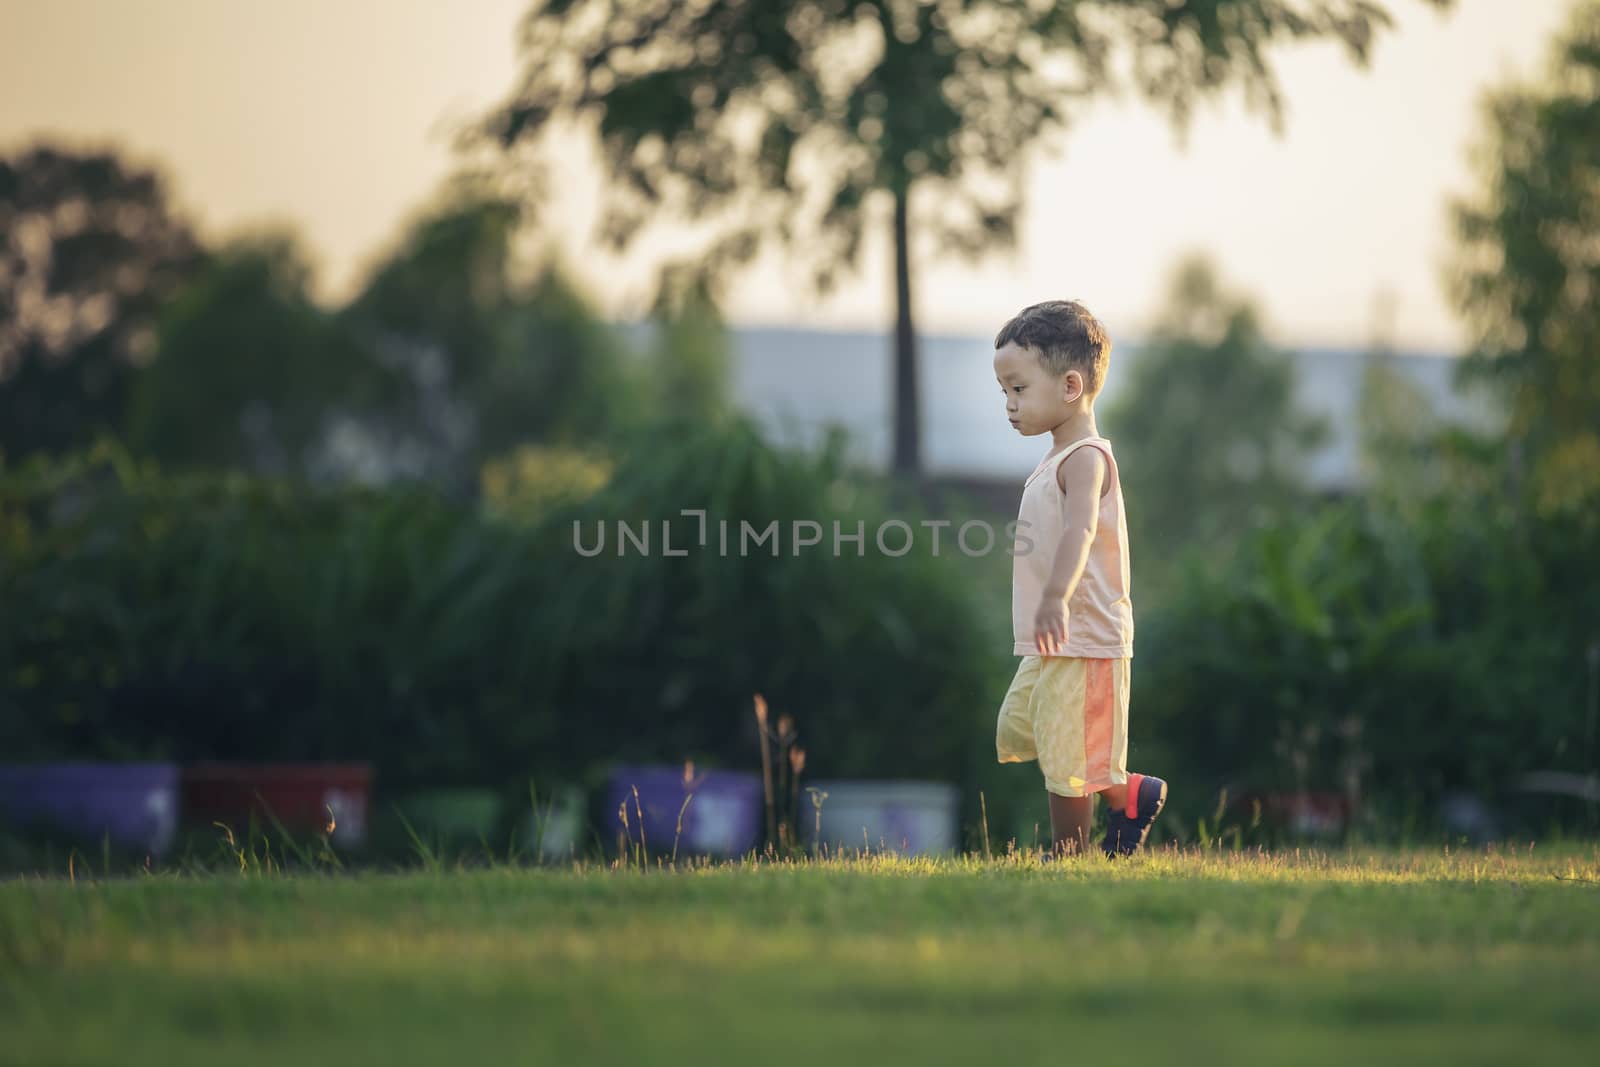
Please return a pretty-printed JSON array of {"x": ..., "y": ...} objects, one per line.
[{"x": 1065, "y": 336}]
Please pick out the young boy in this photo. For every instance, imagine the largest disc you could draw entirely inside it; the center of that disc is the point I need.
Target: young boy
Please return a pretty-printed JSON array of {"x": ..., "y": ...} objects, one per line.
[{"x": 1072, "y": 618}]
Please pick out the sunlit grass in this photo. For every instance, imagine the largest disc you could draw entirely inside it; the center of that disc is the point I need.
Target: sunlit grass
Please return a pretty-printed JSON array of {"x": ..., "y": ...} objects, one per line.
[{"x": 1314, "y": 956}]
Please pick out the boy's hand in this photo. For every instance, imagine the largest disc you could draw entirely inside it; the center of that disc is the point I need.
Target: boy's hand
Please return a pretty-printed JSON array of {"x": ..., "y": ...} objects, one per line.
[{"x": 1050, "y": 626}]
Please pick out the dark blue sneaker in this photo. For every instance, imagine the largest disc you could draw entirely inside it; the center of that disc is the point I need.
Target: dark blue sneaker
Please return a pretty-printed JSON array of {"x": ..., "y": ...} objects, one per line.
[{"x": 1127, "y": 828}]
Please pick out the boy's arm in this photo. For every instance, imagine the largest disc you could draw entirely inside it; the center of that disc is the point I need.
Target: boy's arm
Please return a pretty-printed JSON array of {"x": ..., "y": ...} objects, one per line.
[{"x": 1081, "y": 477}]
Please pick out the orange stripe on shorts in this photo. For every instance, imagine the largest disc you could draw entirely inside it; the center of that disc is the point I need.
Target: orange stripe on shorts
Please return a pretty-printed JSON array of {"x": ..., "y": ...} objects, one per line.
[{"x": 1099, "y": 705}]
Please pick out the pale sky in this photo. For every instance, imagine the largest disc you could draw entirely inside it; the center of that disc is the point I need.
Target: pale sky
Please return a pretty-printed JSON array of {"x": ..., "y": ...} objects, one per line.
[{"x": 334, "y": 116}]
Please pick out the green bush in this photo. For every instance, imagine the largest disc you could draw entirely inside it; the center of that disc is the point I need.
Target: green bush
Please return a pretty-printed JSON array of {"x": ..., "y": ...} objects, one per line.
[
  {"x": 885, "y": 663},
  {"x": 1355, "y": 650},
  {"x": 227, "y": 617},
  {"x": 223, "y": 617}
]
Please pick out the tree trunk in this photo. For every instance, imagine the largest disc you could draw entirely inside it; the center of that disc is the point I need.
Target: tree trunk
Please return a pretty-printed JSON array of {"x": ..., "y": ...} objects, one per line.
[{"x": 907, "y": 421}]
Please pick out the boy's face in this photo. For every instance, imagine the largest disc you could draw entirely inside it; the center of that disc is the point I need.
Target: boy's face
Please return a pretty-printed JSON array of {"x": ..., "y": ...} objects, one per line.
[{"x": 1036, "y": 400}]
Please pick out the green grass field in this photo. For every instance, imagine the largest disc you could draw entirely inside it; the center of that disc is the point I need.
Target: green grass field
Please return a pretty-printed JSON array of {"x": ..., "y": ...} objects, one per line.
[{"x": 1474, "y": 957}]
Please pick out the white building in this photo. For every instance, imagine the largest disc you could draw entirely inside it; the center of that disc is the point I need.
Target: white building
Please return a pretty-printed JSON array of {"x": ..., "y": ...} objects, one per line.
[{"x": 798, "y": 381}]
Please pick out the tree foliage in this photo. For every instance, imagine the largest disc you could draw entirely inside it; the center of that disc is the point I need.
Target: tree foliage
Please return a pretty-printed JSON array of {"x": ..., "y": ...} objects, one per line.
[
  {"x": 248, "y": 369},
  {"x": 484, "y": 357},
  {"x": 1527, "y": 276},
  {"x": 91, "y": 248},
  {"x": 800, "y": 122},
  {"x": 758, "y": 109},
  {"x": 1206, "y": 421},
  {"x": 691, "y": 361}
]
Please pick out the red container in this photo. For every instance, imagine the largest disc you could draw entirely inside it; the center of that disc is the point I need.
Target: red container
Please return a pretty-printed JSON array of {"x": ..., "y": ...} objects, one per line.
[{"x": 301, "y": 796}]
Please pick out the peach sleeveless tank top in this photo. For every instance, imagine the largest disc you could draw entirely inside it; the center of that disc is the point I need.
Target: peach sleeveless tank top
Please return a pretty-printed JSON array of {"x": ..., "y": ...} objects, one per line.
[{"x": 1100, "y": 610}]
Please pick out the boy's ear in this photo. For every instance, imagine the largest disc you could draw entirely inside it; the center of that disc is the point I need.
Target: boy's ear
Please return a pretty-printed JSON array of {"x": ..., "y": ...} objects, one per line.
[{"x": 1072, "y": 386}]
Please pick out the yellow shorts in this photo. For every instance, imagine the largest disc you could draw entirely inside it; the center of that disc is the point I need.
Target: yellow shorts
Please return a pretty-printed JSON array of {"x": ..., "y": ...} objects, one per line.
[{"x": 1071, "y": 715}]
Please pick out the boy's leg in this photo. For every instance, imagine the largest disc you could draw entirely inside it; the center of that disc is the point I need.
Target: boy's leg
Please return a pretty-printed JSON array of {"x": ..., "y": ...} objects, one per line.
[
  {"x": 1070, "y": 818},
  {"x": 1131, "y": 806}
]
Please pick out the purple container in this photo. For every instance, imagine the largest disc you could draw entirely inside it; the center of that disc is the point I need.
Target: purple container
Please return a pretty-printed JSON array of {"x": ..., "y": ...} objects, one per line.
[
  {"x": 723, "y": 816},
  {"x": 134, "y": 804}
]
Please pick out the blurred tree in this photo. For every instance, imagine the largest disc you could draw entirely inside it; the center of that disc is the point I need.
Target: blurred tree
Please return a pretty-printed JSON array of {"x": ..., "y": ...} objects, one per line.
[
  {"x": 91, "y": 247},
  {"x": 801, "y": 120},
  {"x": 1397, "y": 424},
  {"x": 1527, "y": 277},
  {"x": 1207, "y": 422},
  {"x": 249, "y": 372},
  {"x": 484, "y": 360},
  {"x": 564, "y": 374},
  {"x": 1398, "y": 428},
  {"x": 1410, "y": 453},
  {"x": 434, "y": 309},
  {"x": 447, "y": 278},
  {"x": 691, "y": 365}
]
